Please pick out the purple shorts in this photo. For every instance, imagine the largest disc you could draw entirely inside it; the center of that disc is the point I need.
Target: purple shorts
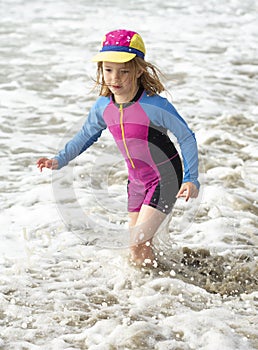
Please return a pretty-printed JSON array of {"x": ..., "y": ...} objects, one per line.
[{"x": 160, "y": 193}]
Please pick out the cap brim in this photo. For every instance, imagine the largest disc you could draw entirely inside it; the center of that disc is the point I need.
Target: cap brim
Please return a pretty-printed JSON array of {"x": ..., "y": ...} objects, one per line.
[{"x": 113, "y": 56}]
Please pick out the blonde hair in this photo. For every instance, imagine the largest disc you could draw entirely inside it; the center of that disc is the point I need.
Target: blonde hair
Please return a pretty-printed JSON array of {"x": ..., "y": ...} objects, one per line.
[{"x": 149, "y": 78}]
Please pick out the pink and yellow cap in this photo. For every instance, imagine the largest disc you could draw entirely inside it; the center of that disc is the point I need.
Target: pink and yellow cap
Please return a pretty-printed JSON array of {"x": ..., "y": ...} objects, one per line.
[{"x": 120, "y": 46}]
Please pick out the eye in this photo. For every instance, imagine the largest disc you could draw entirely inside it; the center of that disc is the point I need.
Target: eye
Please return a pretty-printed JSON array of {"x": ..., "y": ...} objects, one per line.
[{"x": 125, "y": 71}]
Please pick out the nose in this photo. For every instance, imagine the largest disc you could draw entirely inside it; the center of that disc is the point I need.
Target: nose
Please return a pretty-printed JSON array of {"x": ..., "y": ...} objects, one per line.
[{"x": 116, "y": 76}]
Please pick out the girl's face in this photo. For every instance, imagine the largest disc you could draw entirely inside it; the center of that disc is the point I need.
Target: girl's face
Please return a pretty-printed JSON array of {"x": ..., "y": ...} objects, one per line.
[{"x": 119, "y": 79}]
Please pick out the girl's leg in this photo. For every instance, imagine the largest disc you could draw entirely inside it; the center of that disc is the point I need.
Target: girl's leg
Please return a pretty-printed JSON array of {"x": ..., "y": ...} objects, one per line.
[
  {"x": 133, "y": 219},
  {"x": 143, "y": 226},
  {"x": 145, "y": 223}
]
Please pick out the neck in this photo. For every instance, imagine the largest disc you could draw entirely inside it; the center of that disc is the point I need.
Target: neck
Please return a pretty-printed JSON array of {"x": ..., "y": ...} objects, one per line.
[{"x": 134, "y": 96}]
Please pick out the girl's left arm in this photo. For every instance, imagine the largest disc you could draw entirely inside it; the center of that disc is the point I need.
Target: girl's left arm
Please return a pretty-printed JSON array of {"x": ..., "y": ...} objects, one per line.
[
  {"x": 189, "y": 151},
  {"x": 163, "y": 113}
]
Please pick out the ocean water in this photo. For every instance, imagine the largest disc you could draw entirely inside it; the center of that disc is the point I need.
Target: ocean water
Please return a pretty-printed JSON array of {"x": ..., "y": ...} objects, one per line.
[{"x": 65, "y": 279}]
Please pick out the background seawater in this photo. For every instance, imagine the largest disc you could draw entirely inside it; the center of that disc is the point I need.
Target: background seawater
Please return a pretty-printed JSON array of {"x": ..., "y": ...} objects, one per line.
[{"x": 65, "y": 278}]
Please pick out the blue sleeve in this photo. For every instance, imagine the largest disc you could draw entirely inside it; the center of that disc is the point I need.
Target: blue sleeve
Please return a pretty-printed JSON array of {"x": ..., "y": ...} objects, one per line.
[
  {"x": 162, "y": 113},
  {"x": 89, "y": 133}
]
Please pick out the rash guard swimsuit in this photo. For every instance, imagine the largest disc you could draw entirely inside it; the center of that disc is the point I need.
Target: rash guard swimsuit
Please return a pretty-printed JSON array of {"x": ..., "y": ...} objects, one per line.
[{"x": 140, "y": 130}]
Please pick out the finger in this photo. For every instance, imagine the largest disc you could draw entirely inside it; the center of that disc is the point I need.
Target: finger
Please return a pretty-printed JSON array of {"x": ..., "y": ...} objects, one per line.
[
  {"x": 187, "y": 194},
  {"x": 40, "y": 161},
  {"x": 38, "y": 164},
  {"x": 42, "y": 165},
  {"x": 181, "y": 193}
]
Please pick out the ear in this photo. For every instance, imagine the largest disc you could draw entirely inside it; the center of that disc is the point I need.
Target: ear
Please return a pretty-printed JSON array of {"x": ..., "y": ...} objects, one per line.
[{"x": 139, "y": 73}]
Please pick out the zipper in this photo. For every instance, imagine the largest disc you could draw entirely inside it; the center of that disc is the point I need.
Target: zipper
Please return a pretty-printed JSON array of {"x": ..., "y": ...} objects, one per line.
[{"x": 123, "y": 136}]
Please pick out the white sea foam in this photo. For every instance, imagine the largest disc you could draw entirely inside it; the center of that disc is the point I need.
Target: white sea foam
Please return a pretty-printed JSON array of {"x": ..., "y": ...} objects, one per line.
[{"x": 66, "y": 282}]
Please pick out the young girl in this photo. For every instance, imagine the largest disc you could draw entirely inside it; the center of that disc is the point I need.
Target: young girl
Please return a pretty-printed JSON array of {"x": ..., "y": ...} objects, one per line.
[{"x": 138, "y": 118}]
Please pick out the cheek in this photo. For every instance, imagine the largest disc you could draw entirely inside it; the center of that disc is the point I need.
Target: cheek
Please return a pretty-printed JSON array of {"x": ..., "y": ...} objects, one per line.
[
  {"x": 106, "y": 76},
  {"x": 128, "y": 80}
]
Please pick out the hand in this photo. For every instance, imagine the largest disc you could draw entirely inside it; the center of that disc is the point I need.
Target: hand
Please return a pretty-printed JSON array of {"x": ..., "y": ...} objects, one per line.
[
  {"x": 188, "y": 190},
  {"x": 47, "y": 163}
]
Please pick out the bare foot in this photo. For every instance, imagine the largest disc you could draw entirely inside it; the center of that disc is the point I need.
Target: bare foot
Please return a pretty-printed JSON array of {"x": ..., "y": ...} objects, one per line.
[{"x": 142, "y": 255}]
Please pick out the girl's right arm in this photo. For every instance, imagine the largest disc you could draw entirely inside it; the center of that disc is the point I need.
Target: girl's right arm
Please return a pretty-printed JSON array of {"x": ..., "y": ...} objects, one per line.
[{"x": 89, "y": 133}]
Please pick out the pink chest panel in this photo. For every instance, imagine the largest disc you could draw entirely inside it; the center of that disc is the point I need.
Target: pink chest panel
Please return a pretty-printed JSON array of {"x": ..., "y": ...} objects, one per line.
[{"x": 129, "y": 128}]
